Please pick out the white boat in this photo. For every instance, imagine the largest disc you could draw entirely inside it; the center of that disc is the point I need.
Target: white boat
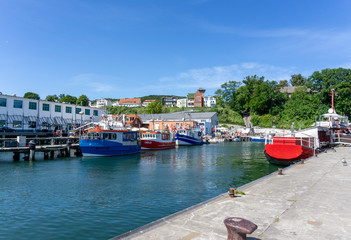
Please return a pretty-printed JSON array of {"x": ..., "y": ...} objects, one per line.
[{"x": 187, "y": 137}]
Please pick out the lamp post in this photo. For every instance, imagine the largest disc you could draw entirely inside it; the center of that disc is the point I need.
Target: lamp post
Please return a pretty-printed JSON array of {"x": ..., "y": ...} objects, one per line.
[{"x": 81, "y": 122}]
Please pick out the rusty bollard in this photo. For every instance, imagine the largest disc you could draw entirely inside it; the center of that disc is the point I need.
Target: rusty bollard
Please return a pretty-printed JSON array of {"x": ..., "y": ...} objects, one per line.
[
  {"x": 238, "y": 228},
  {"x": 280, "y": 171},
  {"x": 231, "y": 192}
]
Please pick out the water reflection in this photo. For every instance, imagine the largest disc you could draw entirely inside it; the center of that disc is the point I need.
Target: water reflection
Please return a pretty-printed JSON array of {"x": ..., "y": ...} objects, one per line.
[{"x": 100, "y": 198}]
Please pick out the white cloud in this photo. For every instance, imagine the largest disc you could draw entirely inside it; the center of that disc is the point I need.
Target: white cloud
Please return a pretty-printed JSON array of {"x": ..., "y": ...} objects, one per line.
[{"x": 214, "y": 77}]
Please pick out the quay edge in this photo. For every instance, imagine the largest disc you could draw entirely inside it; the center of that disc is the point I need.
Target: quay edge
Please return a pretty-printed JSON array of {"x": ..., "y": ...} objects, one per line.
[{"x": 303, "y": 203}]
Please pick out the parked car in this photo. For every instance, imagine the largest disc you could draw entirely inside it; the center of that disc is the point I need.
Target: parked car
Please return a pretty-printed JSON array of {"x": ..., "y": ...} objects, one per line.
[{"x": 7, "y": 129}]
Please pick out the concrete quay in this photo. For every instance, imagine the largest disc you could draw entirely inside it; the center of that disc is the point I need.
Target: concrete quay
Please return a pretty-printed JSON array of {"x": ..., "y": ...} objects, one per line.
[{"x": 309, "y": 201}]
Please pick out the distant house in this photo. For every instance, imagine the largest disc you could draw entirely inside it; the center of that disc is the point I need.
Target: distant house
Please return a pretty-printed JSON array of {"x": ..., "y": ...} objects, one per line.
[
  {"x": 181, "y": 102},
  {"x": 196, "y": 99},
  {"x": 209, "y": 101},
  {"x": 169, "y": 101},
  {"x": 290, "y": 90},
  {"x": 147, "y": 102},
  {"x": 199, "y": 98},
  {"x": 100, "y": 103},
  {"x": 130, "y": 102}
]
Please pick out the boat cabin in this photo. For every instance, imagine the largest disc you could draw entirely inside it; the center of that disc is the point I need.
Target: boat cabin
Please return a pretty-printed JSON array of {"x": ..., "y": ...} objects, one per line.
[{"x": 156, "y": 135}]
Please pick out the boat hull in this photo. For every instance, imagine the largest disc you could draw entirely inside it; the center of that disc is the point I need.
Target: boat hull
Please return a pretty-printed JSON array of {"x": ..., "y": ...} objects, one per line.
[
  {"x": 254, "y": 139},
  {"x": 156, "y": 145},
  {"x": 104, "y": 148},
  {"x": 280, "y": 154},
  {"x": 182, "y": 140}
]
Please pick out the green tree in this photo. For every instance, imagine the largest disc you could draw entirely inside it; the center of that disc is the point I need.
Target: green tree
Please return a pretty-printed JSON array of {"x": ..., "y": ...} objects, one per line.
[
  {"x": 225, "y": 96},
  {"x": 51, "y": 98},
  {"x": 31, "y": 95},
  {"x": 83, "y": 100},
  {"x": 322, "y": 82},
  {"x": 68, "y": 99},
  {"x": 283, "y": 83},
  {"x": 298, "y": 80},
  {"x": 154, "y": 107},
  {"x": 301, "y": 108},
  {"x": 342, "y": 98}
]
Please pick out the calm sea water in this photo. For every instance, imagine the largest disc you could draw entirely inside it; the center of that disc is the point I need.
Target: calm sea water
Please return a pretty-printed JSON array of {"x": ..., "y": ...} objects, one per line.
[{"x": 99, "y": 198}]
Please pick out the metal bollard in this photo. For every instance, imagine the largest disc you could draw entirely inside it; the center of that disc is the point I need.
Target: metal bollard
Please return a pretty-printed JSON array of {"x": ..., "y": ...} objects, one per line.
[
  {"x": 280, "y": 171},
  {"x": 232, "y": 192},
  {"x": 31, "y": 145},
  {"x": 238, "y": 228}
]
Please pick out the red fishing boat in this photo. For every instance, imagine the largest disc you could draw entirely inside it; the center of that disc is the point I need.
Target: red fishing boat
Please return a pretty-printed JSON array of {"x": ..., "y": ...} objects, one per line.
[
  {"x": 287, "y": 150},
  {"x": 157, "y": 140}
]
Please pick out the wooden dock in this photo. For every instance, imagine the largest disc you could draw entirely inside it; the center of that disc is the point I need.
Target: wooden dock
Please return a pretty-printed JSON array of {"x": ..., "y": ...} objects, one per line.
[{"x": 51, "y": 147}]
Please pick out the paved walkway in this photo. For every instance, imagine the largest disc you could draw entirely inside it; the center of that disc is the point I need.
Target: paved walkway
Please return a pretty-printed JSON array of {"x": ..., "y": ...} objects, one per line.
[{"x": 309, "y": 201}]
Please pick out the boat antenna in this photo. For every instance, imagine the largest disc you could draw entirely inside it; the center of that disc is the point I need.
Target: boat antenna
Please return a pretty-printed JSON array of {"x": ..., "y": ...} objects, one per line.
[{"x": 332, "y": 92}]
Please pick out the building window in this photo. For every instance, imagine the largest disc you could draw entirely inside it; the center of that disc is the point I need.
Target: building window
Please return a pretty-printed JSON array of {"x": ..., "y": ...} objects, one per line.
[
  {"x": 3, "y": 102},
  {"x": 46, "y": 107},
  {"x": 17, "y": 104},
  {"x": 78, "y": 110},
  {"x": 2, "y": 123},
  {"x": 32, "y": 105},
  {"x": 17, "y": 124},
  {"x": 96, "y": 113},
  {"x": 68, "y": 109},
  {"x": 57, "y": 108},
  {"x": 87, "y": 112},
  {"x": 32, "y": 124}
]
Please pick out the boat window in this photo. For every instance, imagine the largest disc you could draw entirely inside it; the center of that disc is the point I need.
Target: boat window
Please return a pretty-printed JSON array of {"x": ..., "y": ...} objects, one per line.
[{"x": 113, "y": 136}]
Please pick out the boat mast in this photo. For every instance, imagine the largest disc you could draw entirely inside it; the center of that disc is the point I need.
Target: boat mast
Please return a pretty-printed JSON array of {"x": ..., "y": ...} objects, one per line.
[{"x": 332, "y": 103}]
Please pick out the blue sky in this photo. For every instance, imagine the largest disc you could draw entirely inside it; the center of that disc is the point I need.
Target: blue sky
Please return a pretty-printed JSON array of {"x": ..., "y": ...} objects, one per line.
[{"x": 135, "y": 48}]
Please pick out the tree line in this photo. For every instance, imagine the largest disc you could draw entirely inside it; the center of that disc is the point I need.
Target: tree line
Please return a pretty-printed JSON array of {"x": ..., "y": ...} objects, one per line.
[
  {"x": 264, "y": 101},
  {"x": 82, "y": 100}
]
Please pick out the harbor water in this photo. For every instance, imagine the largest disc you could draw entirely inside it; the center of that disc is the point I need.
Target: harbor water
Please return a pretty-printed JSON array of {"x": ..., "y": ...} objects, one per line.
[{"x": 99, "y": 198}]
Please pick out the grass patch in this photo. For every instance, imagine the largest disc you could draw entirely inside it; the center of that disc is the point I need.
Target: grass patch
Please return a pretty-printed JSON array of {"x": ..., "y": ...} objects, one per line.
[{"x": 239, "y": 192}]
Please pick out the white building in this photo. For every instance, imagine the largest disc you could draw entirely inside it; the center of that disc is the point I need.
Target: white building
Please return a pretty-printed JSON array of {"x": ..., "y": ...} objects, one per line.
[
  {"x": 100, "y": 103},
  {"x": 181, "y": 102},
  {"x": 210, "y": 101},
  {"x": 24, "y": 113}
]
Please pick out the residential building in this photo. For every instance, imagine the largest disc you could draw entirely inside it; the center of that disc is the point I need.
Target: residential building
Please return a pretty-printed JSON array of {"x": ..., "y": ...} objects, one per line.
[
  {"x": 147, "y": 102},
  {"x": 204, "y": 120},
  {"x": 130, "y": 102},
  {"x": 24, "y": 113},
  {"x": 181, "y": 102},
  {"x": 100, "y": 103},
  {"x": 209, "y": 101},
  {"x": 169, "y": 101},
  {"x": 199, "y": 98}
]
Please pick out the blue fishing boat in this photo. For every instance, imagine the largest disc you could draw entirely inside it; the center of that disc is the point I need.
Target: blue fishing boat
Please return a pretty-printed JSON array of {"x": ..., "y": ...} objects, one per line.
[
  {"x": 258, "y": 139},
  {"x": 98, "y": 142},
  {"x": 187, "y": 137}
]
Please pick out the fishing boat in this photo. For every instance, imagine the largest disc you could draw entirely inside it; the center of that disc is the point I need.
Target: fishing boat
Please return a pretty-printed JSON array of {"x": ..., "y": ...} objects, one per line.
[
  {"x": 188, "y": 137},
  {"x": 258, "y": 139},
  {"x": 287, "y": 150},
  {"x": 157, "y": 140},
  {"x": 304, "y": 144},
  {"x": 108, "y": 138}
]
